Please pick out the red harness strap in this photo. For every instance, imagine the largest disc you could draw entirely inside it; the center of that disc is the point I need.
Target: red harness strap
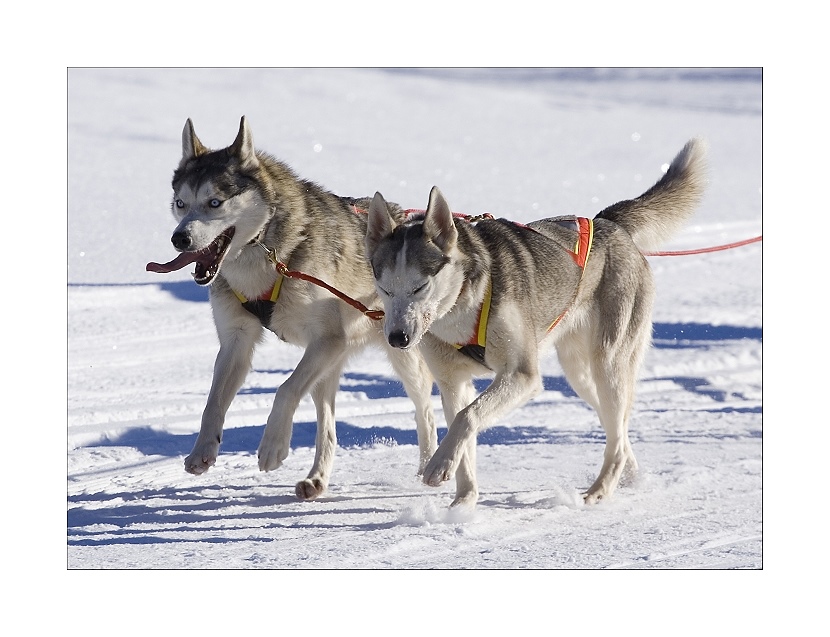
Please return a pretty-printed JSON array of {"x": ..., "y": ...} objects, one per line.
[
  {"x": 583, "y": 243},
  {"x": 579, "y": 254}
]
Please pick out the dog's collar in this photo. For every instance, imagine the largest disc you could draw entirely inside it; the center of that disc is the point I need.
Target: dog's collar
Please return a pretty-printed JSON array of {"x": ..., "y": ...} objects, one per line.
[
  {"x": 263, "y": 305},
  {"x": 261, "y": 234},
  {"x": 259, "y": 237}
]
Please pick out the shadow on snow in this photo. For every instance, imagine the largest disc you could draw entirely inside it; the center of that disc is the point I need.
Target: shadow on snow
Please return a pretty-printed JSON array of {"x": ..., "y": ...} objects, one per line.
[
  {"x": 151, "y": 441},
  {"x": 246, "y": 439}
]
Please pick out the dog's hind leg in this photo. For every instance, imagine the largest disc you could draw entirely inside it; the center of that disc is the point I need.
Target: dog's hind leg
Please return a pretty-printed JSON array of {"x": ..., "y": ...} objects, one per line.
[
  {"x": 615, "y": 374},
  {"x": 613, "y": 414},
  {"x": 575, "y": 354},
  {"x": 324, "y": 357},
  {"x": 323, "y": 394},
  {"x": 576, "y": 358},
  {"x": 233, "y": 362}
]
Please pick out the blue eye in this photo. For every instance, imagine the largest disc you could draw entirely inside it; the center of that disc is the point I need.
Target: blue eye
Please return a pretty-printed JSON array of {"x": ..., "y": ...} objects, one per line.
[
  {"x": 215, "y": 203},
  {"x": 179, "y": 203}
]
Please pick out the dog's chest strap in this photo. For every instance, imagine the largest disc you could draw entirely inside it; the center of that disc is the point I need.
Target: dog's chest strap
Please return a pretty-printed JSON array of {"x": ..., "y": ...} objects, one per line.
[
  {"x": 474, "y": 348},
  {"x": 263, "y": 306}
]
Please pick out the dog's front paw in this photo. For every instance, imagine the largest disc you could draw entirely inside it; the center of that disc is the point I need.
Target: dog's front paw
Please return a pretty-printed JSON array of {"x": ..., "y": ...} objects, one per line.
[
  {"x": 270, "y": 457},
  {"x": 309, "y": 489},
  {"x": 202, "y": 458},
  {"x": 274, "y": 447},
  {"x": 591, "y": 498},
  {"x": 439, "y": 469},
  {"x": 595, "y": 494}
]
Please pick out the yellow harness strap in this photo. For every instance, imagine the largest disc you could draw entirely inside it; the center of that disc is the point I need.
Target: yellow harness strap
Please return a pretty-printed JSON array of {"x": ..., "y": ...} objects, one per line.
[
  {"x": 474, "y": 348},
  {"x": 480, "y": 334},
  {"x": 272, "y": 296}
]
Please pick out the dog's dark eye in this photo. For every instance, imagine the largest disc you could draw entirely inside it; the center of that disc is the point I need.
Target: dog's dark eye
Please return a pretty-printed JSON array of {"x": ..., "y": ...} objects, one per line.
[
  {"x": 215, "y": 203},
  {"x": 179, "y": 203}
]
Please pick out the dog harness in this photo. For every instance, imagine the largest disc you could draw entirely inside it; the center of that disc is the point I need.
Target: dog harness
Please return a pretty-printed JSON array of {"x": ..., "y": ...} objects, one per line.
[
  {"x": 474, "y": 348},
  {"x": 580, "y": 253},
  {"x": 263, "y": 306}
]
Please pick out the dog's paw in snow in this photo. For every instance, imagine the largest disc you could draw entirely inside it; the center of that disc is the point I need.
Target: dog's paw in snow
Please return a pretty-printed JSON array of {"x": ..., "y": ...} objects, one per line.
[
  {"x": 202, "y": 458},
  {"x": 309, "y": 489},
  {"x": 439, "y": 469},
  {"x": 272, "y": 451},
  {"x": 270, "y": 458},
  {"x": 466, "y": 500}
]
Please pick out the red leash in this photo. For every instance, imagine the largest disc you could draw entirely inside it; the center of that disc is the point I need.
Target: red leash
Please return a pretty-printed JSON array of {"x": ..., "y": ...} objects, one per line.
[
  {"x": 376, "y": 315},
  {"x": 679, "y": 253}
]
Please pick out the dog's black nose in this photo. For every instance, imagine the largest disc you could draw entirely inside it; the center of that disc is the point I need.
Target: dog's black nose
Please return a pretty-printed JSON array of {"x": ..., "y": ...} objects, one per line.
[
  {"x": 399, "y": 339},
  {"x": 181, "y": 241}
]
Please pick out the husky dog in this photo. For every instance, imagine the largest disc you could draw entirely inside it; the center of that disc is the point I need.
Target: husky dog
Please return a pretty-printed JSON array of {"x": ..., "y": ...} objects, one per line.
[
  {"x": 233, "y": 207},
  {"x": 482, "y": 297}
]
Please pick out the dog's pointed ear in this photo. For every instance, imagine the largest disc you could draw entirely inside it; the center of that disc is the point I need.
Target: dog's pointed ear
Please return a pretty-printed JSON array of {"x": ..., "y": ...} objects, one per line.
[
  {"x": 379, "y": 225},
  {"x": 243, "y": 146},
  {"x": 191, "y": 146},
  {"x": 438, "y": 222}
]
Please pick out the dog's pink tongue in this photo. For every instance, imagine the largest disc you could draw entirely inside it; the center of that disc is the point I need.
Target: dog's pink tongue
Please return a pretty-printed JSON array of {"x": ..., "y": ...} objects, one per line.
[{"x": 185, "y": 258}]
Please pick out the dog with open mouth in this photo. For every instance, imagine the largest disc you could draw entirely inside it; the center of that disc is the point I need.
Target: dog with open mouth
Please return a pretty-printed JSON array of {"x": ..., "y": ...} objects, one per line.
[{"x": 237, "y": 206}]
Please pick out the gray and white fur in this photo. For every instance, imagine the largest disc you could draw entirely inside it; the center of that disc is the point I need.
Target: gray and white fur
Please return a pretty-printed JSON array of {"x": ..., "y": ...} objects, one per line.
[
  {"x": 231, "y": 202},
  {"x": 432, "y": 274}
]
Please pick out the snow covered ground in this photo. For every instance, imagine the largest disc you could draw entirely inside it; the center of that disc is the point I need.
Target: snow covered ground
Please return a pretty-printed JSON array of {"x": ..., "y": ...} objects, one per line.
[{"x": 523, "y": 144}]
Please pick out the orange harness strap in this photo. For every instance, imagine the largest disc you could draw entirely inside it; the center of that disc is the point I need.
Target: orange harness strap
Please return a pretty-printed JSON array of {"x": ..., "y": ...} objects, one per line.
[{"x": 580, "y": 254}]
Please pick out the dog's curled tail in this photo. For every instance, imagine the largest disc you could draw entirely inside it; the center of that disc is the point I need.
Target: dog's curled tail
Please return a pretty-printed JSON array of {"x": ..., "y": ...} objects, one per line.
[{"x": 653, "y": 217}]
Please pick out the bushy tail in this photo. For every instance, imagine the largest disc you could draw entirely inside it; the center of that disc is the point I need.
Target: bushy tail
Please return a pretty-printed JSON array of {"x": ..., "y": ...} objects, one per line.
[{"x": 653, "y": 217}]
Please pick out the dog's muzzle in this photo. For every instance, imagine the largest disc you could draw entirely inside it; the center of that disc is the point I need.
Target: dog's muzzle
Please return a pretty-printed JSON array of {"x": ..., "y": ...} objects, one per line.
[
  {"x": 181, "y": 241},
  {"x": 399, "y": 339}
]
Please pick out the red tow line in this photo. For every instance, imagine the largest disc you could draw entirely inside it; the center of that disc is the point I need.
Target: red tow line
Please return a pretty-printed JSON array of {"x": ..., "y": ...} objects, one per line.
[
  {"x": 376, "y": 315},
  {"x": 680, "y": 253}
]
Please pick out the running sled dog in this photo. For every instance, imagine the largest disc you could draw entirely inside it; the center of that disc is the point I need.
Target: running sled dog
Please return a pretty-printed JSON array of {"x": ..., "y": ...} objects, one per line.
[
  {"x": 236, "y": 205},
  {"x": 482, "y": 297}
]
